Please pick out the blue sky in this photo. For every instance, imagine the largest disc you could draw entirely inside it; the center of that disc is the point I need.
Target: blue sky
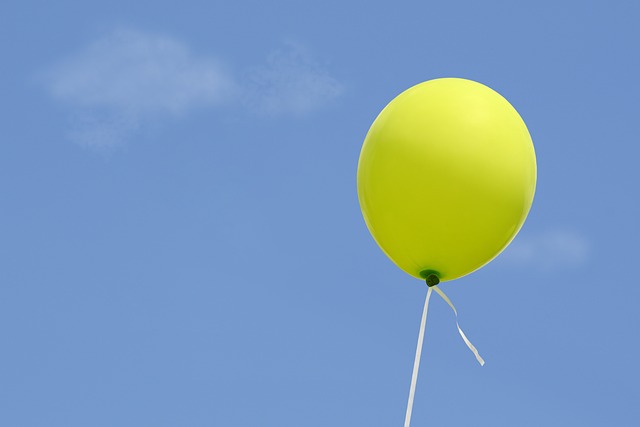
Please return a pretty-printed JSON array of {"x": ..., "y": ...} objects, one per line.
[{"x": 181, "y": 242}]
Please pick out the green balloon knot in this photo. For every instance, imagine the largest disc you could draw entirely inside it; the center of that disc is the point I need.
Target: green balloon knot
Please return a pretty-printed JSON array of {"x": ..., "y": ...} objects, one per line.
[{"x": 431, "y": 277}]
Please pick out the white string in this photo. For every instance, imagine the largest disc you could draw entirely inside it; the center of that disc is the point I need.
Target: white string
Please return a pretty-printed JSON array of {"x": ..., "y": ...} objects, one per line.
[
  {"x": 416, "y": 362},
  {"x": 464, "y": 337}
]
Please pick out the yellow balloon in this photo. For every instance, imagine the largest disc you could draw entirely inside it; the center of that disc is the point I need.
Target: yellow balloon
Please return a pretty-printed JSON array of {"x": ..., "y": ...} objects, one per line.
[{"x": 446, "y": 177}]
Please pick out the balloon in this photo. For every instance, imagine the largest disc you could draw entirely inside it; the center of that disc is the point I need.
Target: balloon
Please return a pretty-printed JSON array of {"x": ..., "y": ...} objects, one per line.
[{"x": 446, "y": 177}]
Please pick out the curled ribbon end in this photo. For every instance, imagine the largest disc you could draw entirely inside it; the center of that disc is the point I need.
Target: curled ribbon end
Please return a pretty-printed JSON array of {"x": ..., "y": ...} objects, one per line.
[{"x": 464, "y": 337}]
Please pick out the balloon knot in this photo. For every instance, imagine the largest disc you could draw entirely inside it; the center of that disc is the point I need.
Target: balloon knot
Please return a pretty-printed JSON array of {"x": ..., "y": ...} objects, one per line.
[
  {"x": 431, "y": 277},
  {"x": 432, "y": 280}
]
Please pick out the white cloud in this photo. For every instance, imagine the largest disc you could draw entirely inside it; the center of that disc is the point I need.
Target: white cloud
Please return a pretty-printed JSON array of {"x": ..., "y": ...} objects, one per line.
[
  {"x": 139, "y": 73},
  {"x": 128, "y": 77},
  {"x": 291, "y": 82},
  {"x": 549, "y": 250}
]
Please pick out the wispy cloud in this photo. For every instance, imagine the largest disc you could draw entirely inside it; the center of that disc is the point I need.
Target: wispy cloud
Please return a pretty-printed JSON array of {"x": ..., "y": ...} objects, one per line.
[
  {"x": 128, "y": 77},
  {"x": 291, "y": 82},
  {"x": 549, "y": 250}
]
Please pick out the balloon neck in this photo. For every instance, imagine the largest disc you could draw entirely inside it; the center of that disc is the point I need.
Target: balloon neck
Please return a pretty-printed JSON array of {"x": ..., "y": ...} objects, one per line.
[{"x": 431, "y": 277}]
